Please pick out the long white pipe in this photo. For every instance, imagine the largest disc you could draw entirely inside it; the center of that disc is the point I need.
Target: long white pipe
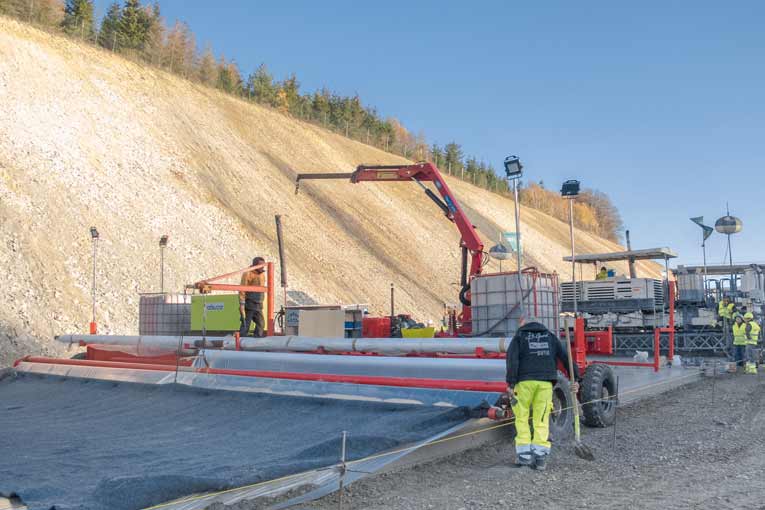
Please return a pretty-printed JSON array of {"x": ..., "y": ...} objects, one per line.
[
  {"x": 187, "y": 344},
  {"x": 388, "y": 346},
  {"x": 428, "y": 368}
]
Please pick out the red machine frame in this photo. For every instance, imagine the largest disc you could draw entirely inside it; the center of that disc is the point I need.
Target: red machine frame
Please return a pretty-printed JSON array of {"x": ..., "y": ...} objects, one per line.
[{"x": 419, "y": 173}]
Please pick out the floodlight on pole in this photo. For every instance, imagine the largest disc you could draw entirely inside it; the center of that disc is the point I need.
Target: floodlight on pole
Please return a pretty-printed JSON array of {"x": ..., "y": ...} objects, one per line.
[
  {"x": 570, "y": 190},
  {"x": 514, "y": 171},
  {"x": 162, "y": 245},
  {"x": 94, "y": 239}
]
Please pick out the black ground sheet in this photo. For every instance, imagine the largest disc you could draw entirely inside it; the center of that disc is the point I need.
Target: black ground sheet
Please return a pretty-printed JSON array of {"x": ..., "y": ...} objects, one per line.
[{"x": 86, "y": 444}]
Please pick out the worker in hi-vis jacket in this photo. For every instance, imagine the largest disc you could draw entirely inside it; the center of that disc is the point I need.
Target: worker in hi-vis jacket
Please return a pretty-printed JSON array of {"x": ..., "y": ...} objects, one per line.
[
  {"x": 532, "y": 371},
  {"x": 251, "y": 303}
]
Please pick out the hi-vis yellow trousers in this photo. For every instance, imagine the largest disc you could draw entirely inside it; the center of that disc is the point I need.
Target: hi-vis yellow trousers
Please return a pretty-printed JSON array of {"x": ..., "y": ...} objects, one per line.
[{"x": 535, "y": 399}]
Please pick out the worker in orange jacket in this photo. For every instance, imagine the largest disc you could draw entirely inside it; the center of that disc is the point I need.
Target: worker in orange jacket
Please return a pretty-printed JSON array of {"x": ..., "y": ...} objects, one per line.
[{"x": 251, "y": 303}]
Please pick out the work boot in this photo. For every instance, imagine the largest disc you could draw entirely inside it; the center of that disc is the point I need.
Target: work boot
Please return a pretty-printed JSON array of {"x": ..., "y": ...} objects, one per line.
[
  {"x": 540, "y": 462},
  {"x": 524, "y": 459}
]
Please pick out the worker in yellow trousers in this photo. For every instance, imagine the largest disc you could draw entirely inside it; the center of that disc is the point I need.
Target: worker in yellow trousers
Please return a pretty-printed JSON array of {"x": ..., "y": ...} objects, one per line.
[
  {"x": 531, "y": 373},
  {"x": 740, "y": 341},
  {"x": 752, "y": 332}
]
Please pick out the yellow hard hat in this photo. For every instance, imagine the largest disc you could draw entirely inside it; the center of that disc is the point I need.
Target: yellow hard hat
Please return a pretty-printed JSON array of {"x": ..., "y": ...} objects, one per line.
[{"x": 749, "y": 315}]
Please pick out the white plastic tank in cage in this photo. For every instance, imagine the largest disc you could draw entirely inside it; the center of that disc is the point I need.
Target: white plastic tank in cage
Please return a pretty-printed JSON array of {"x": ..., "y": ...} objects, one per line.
[{"x": 496, "y": 302}]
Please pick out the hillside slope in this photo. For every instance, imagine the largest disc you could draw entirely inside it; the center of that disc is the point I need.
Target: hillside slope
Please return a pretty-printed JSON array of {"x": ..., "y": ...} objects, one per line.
[{"x": 88, "y": 138}]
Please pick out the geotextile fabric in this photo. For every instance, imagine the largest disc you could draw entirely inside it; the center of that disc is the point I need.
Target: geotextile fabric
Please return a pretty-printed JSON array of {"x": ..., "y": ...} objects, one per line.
[{"x": 86, "y": 444}]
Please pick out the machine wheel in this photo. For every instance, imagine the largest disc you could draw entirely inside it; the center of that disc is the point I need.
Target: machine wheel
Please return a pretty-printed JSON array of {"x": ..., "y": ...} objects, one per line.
[
  {"x": 464, "y": 299},
  {"x": 562, "y": 416},
  {"x": 597, "y": 394}
]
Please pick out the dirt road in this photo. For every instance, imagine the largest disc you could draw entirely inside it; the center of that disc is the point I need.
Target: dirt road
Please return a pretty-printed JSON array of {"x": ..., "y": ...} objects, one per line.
[{"x": 700, "y": 446}]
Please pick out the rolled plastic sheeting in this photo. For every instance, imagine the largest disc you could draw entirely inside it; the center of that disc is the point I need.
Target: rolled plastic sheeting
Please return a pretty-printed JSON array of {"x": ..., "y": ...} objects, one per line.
[
  {"x": 389, "y": 346},
  {"x": 415, "y": 368}
]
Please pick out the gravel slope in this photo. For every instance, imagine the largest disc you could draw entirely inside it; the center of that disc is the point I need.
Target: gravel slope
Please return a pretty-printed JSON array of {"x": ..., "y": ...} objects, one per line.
[
  {"x": 88, "y": 138},
  {"x": 691, "y": 448}
]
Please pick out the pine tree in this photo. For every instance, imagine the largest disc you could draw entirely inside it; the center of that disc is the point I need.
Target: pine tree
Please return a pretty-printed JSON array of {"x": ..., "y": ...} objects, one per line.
[
  {"x": 78, "y": 18},
  {"x": 261, "y": 86},
  {"x": 291, "y": 98},
  {"x": 107, "y": 36},
  {"x": 453, "y": 158},
  {"x": 133, "y": 26},
  {"x": 320, "y": 106}
]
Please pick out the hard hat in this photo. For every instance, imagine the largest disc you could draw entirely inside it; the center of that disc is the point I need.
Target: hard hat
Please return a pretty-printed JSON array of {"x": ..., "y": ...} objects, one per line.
[
  {"x": 749, "y": 315},
  {"x": 738, "y": 316}
]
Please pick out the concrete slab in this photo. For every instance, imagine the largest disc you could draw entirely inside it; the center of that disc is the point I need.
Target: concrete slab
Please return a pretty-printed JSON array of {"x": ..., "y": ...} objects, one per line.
[{"x": 636, "y": 383}]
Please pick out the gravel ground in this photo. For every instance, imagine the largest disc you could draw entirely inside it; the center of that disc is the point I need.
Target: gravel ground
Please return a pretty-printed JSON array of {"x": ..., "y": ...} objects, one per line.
[{"x": 696, "y": 447}]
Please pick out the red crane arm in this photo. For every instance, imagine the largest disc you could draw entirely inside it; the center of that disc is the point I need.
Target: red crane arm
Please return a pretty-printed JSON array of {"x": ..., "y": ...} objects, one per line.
[{"x": 420, "y": 172}]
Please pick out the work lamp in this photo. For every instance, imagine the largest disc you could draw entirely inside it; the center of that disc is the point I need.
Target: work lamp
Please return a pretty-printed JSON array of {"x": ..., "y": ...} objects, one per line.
[
  {"x": 513, "y": 167},
  {"x": 570, "y": 188}
]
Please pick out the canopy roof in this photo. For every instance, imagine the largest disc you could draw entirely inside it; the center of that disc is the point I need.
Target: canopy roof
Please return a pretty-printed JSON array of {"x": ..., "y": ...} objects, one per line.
[
  {"x": 648, "y": 254},
  {"x": 719, "y": 270}
]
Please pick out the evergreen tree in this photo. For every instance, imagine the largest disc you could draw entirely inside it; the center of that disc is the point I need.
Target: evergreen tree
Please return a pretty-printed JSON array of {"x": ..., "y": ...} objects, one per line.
[
  {"x": 107, "y": 36},
  {"x": 291, "y": 94},
  {"x": 229, "y": 78},
  {"x": 436, "y": 155},
  {"x": 78, "y": 18},
  {"x": 320, "y": 106},
  {"x": 261, "y": 86},
  {"x": 453, "y": 158},
  {"x": 133, "y": 26}
]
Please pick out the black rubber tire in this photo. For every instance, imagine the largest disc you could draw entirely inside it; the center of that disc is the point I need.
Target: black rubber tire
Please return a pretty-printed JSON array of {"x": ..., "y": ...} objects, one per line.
[
  {"x": 561, "y": 422},
  {"x": 463, "y": 295},
  {"x": 597, "y": 394}
]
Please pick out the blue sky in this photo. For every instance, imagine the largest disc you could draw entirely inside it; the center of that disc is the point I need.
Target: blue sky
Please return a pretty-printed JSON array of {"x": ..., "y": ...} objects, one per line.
[{"x": 658, "y": 104}]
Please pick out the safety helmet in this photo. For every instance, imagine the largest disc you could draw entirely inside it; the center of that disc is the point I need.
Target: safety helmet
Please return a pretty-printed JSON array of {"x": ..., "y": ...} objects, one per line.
[
  {"x": 749, "y": 315},
  {"x": 738, "y": 316}
]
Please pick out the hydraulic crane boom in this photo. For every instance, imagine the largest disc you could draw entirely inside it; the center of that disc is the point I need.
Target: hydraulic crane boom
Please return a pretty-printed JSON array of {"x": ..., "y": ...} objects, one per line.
[{"x": 470, "y": 242}]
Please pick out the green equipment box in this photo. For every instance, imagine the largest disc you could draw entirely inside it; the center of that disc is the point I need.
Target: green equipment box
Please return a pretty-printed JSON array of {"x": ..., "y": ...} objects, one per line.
[{"x": 222, "y": 313}]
